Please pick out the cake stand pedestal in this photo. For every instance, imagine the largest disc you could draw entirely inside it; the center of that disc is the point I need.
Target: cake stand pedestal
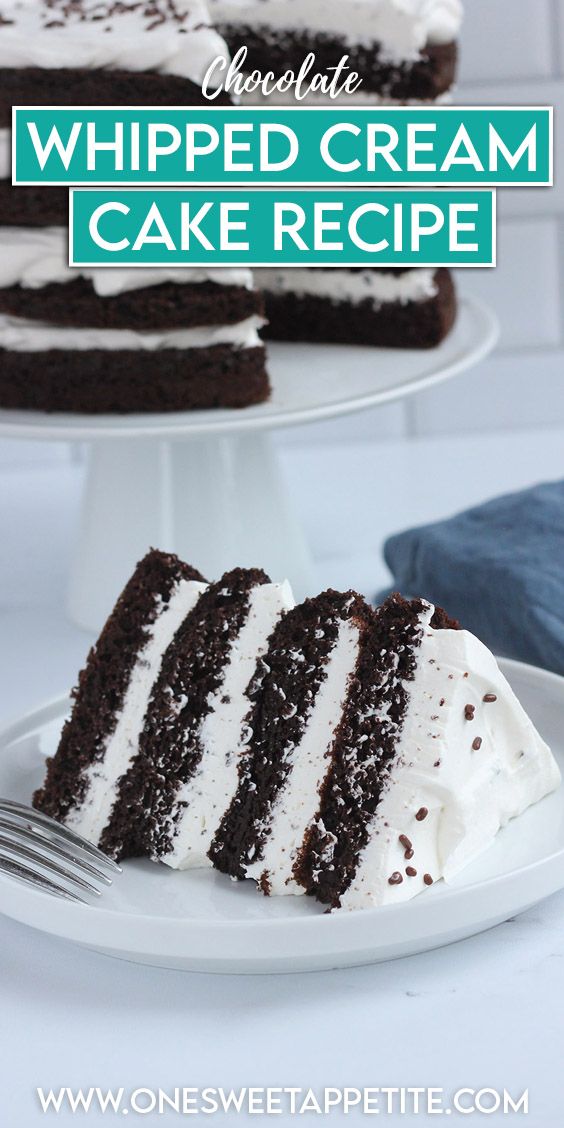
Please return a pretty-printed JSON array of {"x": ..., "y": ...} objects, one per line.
[
  {"x": 218, "y": 501},
  {"x": 207, "y": 484}
]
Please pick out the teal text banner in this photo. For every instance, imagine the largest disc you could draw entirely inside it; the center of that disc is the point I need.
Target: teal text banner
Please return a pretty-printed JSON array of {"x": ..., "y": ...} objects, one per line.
[
  {"x": 409, "y": 146},
  {"x": 386, "y": 227}
]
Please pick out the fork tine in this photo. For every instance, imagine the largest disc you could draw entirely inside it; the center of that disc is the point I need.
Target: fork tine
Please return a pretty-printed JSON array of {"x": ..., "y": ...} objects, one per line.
[
  {"x": 38, "y": 881},
  {"x": 6, "y": 844},
  {"x": 65, "y": 850},
  {"x": 37, "y": 818}
]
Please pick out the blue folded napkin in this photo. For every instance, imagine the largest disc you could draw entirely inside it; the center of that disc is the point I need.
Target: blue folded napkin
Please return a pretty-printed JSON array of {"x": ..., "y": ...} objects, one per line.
[{"x": 498, "y": 568}]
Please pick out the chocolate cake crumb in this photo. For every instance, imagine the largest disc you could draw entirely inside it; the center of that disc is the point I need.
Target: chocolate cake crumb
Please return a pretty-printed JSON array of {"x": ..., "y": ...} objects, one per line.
[
  {"x": 190, "y": 676},
  {"x": 122, "y": 381},
  {"x": 424, "y": 78},
  {"x": 315, "y": 318},
  {"x": 351, "y": 793},
  {"x": 70, "y": 86},
  {"x": 101, "y": 689},
  {"x": 166, "y": 305}
]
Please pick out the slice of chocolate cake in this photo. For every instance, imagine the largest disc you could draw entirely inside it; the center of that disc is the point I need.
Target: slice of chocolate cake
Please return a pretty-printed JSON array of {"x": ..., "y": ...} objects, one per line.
[
  {"x": 101, "y": 739},
  {"x": 353, "y": 754},
  {"x": 411, "y": 308},
  {"x": 186, "y": 775},
  {"x": 401, "y": 49}
]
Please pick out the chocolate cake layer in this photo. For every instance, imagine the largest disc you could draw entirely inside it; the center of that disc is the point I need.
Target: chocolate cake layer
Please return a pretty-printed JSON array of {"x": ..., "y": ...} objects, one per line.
[
  {"x": 170, "y": 750},
  {"x": 365, "y": 747},
  {"x": 282, "y": 697},
  {"x": 425, "y": 79},
  {"x": 124, "y": 381},
  {"x": 166, "y": 306},
  {"x": 33, "y": 206},
  {"x": 35, "y": 86},
  {"x": 103, "y": 682},
  {"x": 410, "y": 325}
]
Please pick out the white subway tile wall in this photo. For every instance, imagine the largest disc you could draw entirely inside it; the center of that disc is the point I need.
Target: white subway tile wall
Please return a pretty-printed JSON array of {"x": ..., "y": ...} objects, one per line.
[
  {"x": 513, "y": 53},
  {"x": 524, "y": 289},
  {"x": 507, "y": 39}
]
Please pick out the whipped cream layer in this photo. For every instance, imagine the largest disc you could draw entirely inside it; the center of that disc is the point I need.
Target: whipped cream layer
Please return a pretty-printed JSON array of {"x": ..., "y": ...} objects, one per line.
[
  {"x": 297, "y": 802},
  {"x": 35, "y": 257},
  {"x": 401, "y": 27},
  {"x": 5, "y": 154},
  {"x": 102, "y": 777},
  {"x": 351, "y": 286},
  {"x": 20, "y": 335},
  {"x": 168, "y": 36},
  {"x": 203, "y": 801},
  {"x": 468, "y": 760}
]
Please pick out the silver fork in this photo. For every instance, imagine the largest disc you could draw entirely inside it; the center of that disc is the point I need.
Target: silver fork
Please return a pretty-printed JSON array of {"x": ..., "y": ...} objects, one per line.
[{"x": 38, "y": 851}]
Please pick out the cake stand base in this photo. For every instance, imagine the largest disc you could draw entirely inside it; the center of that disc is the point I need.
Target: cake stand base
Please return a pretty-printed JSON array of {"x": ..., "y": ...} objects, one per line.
[
  {"x": 211, "y": 500},
  {"x": 205, "y": 484}
]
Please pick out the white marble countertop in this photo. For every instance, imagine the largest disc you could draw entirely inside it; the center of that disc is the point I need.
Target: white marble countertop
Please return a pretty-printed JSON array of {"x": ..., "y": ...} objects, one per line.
[{"x": 484, "y": 1012}]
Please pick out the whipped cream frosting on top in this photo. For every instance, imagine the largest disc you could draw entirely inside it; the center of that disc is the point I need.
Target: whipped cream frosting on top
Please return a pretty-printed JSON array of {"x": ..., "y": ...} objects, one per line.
[
  {"x": 468, "y": 760},
  {"x": 168, "y": 36},
  {"x": 401, "y": 27}
]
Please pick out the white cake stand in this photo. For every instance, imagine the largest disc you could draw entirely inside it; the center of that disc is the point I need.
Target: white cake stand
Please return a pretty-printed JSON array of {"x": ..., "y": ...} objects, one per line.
[{"x": 206, "y": 484}]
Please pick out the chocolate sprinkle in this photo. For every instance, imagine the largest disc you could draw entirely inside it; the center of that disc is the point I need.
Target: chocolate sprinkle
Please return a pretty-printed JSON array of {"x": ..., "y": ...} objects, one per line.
[
  {"x": 477, "y": 744},
  {"x": 411, "y": 872},
  {"x": 409, "y": 854},
  {"x": 489, "y": 698},
  {"x": 406, "y": 842},
  {"x": 470, "y": 712},
  {"x": 153, "y": 12},
  {"x": 427, "y": 879},
  {"x": 395, "y": 879},
  {"x": 422, "y": 814}
]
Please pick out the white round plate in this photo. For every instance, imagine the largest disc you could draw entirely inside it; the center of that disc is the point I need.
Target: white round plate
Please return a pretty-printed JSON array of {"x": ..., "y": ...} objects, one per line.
[
  {"x": 201, "y": 921},
  {"x": 310, "y": 382}
]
